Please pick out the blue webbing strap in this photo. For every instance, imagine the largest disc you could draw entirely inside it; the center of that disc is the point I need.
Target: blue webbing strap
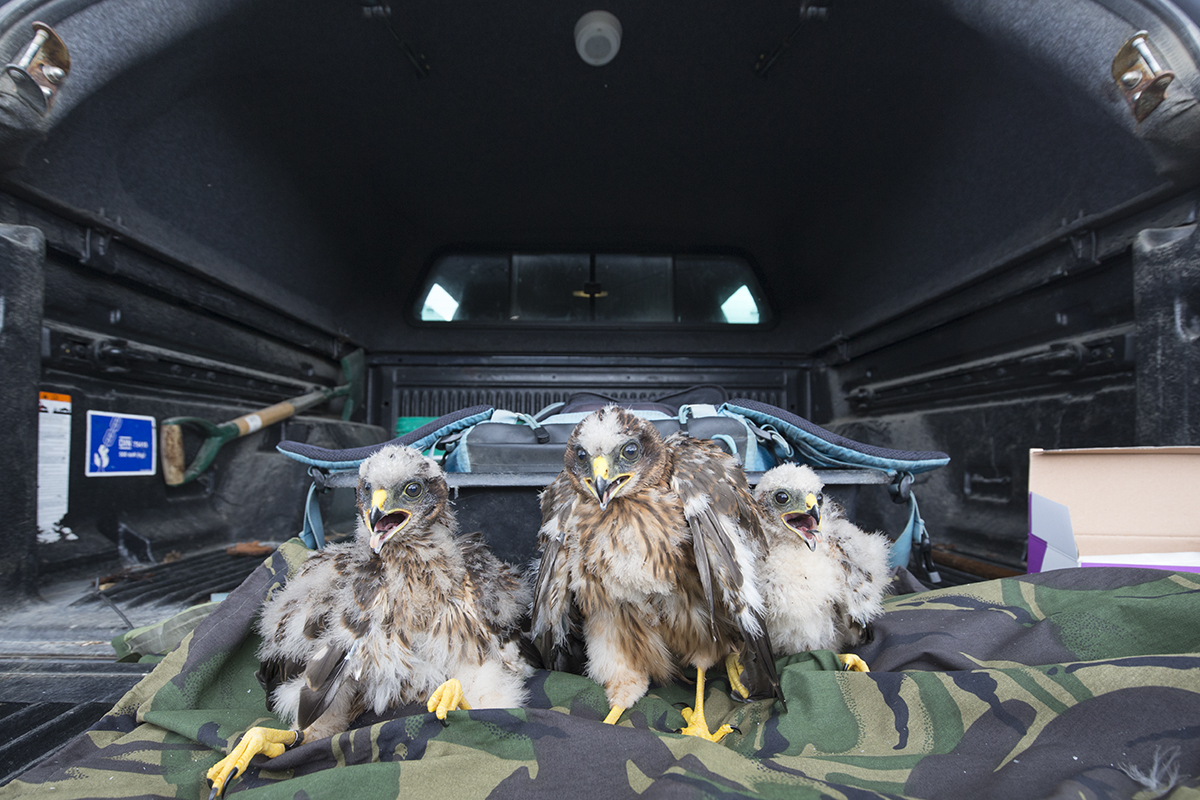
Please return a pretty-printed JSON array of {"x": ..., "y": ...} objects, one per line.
[
  {"x": 313, "y": 534},
  {"x": 903, "y": 546},
  {"x": 914, "y": 539}
]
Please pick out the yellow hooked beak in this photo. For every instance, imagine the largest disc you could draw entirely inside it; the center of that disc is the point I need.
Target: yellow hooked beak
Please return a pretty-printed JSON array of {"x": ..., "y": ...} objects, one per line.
[
  {"x": 807, "y": 523},
  {"x": 384, "y": 522},
  {"x": 378, "y": 499},
  {"x": 602, "y": 485}
]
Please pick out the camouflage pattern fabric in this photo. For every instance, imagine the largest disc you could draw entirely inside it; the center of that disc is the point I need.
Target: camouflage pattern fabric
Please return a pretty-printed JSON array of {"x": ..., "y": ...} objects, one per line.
[{"x": 1044, "y": 686}]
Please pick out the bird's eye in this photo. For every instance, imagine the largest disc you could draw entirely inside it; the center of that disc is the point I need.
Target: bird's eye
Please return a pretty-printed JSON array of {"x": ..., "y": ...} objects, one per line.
[
  {"x": 631, "y": 451},
  {"x": 412, "y": 490},
  {"x": 581, "y": 454},
  {"x": 820, "y": 498},
  {"x": 781, "y": 498}
]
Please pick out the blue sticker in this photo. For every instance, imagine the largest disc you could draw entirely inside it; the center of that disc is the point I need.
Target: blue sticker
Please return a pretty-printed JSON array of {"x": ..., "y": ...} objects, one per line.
[{"x": 120, "y": 444}]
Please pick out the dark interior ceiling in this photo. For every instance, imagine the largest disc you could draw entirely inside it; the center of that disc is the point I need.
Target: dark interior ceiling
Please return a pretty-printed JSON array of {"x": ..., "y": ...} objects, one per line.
[{"x": 891, "y": 153}]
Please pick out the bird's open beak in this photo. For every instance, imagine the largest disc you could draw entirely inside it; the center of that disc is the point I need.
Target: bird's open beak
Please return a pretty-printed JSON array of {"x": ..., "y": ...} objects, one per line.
[
  {"x": 384, "y": 522},
  {"x": 806, "y": 524},
  {"x": 603, "y": 486}
]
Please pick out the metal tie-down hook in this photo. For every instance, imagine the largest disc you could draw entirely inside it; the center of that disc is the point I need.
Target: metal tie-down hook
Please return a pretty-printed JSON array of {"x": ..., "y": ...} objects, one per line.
[
  {"x": 1140, "y": 76},
  {"x": 43, "y": 66}
]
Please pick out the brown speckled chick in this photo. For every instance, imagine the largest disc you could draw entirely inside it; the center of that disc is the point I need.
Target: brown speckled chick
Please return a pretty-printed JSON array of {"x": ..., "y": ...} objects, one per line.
[
  {"x": 410, "y": 611},
  {"x": 648, "y": 554}
]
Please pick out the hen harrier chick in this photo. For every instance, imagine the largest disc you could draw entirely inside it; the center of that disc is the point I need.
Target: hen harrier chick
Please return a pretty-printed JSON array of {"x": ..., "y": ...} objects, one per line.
[
  {"x": 650, "y": 546},
  {"x": 409, "y": 611},
  {"x": 823, "y": 578}
]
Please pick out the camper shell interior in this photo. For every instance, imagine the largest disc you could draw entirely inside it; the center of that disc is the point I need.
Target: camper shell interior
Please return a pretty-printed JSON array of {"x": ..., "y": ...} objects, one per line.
[{"x": 936, "y": 225}]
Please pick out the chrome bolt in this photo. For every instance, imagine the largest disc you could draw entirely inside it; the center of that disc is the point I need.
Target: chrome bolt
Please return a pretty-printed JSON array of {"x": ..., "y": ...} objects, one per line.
[
  {"x": 1143, "y": 48},
  {"x": 27, "y": 57},
  {"x": 1131, "y": 79},
  {"x": 53, "y": 74}
]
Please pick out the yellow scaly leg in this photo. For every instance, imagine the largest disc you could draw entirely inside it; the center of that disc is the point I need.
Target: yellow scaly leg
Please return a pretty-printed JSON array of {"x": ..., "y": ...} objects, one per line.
[
  {"x": 733, "y": 668},
  {"x": 853, "y": 663},
  {"x": 270, "y": 742},
  {"x": 697, "y": 726},
  {"x": 447, "y": 697},
  {"x": 614, "y": 714}
]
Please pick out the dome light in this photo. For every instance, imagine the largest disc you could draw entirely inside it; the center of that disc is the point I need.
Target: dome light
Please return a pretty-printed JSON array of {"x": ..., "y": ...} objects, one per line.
[{"x": 598, "y": 37}]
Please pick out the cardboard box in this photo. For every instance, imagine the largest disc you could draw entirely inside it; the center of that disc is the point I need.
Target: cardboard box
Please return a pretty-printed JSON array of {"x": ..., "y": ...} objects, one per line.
[{"x": 1133, "y": 506}]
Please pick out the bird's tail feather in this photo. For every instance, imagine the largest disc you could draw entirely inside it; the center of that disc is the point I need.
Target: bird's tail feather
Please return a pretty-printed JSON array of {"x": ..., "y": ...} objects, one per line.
[{"x": 761, "y": 677}]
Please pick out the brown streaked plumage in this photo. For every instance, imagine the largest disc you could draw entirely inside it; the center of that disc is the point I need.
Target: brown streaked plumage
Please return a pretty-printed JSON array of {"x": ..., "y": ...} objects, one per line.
[
  {"x": 649, "y": 551},
  {"x": 823, "y": 578},
  {"x": 410, "y": 611}
]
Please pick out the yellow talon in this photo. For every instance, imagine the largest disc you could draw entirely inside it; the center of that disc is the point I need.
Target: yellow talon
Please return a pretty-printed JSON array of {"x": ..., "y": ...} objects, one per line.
[
  {"x": 447, "y": 697},
  {"x": 733, "y": 668},
  {"x": 853, "y": 663},
  {"x": 696, "y": 724},
  {"x": 614, "y": 714},
  {"x": 270, "y": 742}
]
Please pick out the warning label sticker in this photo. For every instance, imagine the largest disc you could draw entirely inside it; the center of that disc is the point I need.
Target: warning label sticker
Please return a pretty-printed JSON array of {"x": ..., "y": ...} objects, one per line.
[
  {"x": 54, "y": 459},
  {"x": 120, "y": 444}
]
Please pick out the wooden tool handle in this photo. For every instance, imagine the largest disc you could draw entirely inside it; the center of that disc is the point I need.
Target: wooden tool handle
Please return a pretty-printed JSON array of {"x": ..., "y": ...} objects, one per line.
[
  {"x": 249, "y": 423},
  {"x": 171, "y": 447}
]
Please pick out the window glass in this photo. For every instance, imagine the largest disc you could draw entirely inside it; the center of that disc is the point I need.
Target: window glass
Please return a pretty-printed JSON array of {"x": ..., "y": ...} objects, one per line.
[
  {"x": 466, "y": 288},
  {"x": 550, "y": 287},
  {"x": 740, "y": 308},
  {"x": 716, "y": 290},
  {"x": 601, "y": 288},
  {"x": 633, "y": 289}
]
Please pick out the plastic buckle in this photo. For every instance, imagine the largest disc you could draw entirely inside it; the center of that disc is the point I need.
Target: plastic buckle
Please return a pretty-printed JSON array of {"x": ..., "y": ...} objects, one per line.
[
  {"x": 319, "y": 478},
  {"x": 901, "y": 488},
  {"x": 779, "y": 444},
  {"x": 926, "y": 548},
  {"x": 685, "y": 412},
  {"x": 541, "y": 434}
]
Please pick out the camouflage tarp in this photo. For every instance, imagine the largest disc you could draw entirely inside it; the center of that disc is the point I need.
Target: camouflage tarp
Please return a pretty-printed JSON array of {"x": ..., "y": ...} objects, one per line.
[{"x": 1042, "y": 686}]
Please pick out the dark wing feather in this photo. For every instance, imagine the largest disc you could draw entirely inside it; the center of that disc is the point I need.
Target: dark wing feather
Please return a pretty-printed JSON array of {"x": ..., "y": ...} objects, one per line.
[
  {"x": 719, "y": 509},
  {"x": 546, "y": 568},
  {"x": 556, "y": 625},
  {"x": 322, "y": 677},
  {"x": 525, "y": 644},
  {"x": 555, "y": 500},
  {"x": 275, "y": 672},
  {"x": 565, "y": 651},
  {"x": 760, "y": 676},
  {"x": 570, "y": 655},
  {"x": 704, "y": 571}
]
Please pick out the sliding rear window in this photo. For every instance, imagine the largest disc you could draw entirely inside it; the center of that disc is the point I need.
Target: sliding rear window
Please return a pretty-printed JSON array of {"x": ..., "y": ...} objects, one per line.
[{"x": 594, "y": 288}]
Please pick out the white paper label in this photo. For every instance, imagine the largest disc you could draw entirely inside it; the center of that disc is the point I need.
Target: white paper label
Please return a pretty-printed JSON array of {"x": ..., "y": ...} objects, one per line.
[{"x": 54, "y": 459}]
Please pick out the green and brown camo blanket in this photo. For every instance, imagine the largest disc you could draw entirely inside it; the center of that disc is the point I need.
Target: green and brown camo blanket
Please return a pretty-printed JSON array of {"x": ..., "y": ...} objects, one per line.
[{"x": 1063, "y": 684}]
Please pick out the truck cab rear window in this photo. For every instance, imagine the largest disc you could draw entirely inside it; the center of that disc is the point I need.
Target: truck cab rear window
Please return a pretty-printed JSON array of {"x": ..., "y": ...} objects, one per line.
[{"x": 598, "y": 288}]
